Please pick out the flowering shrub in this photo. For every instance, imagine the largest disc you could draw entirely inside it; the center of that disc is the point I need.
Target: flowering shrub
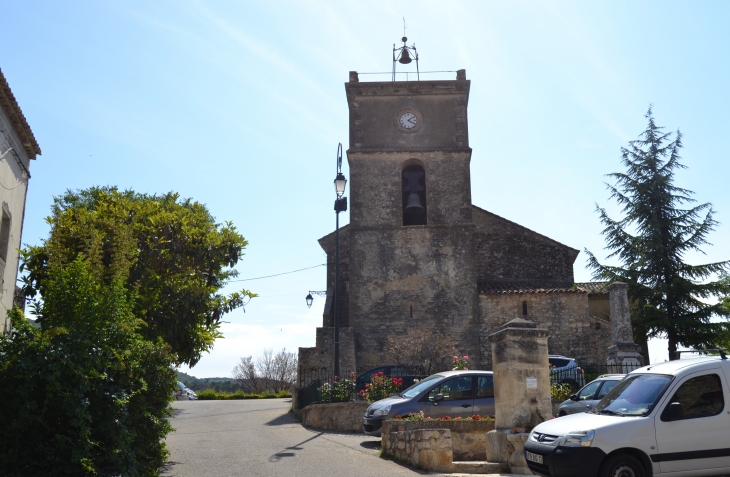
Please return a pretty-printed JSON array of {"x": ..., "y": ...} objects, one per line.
[
  {"x": 339, "y": 390},
  {"x": 459, "y": 363},
  {"x": 381, "y": 387},
  {"x": 560, "y": 392},
  {"x": 419, "y": 416}
]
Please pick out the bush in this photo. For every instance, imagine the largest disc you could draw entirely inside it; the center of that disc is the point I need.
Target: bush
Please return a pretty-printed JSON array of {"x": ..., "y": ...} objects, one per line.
[
  {"x": 213, "y": 395},
  {"x": 560, "y": 391},
  {"x": 85, "y": 395},
  {"x": 381, "y": 387},
  {"x": 419, "y": 416},
  {"x": 339, "y": 390}
]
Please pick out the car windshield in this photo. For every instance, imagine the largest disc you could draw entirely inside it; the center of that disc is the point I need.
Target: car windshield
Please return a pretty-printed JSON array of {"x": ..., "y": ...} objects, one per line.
[
  {"x": 636, "y": 395},
  {"x": 420, "y": 386}
]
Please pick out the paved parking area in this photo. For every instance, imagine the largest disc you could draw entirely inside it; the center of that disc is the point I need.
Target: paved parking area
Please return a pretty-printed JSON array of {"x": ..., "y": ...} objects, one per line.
[{"x": 261, "y": 438}]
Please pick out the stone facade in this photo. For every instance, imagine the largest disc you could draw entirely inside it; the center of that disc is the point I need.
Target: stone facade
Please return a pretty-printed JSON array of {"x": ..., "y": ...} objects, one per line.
[
  {"x": 565, "y": 313},
  {"x": 17, "y": 148},
  {"x": 462, "y": 270}
]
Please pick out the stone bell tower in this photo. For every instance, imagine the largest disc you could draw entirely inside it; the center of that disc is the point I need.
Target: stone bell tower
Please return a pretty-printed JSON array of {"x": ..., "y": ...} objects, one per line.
[{"x": 410, "y": 237}]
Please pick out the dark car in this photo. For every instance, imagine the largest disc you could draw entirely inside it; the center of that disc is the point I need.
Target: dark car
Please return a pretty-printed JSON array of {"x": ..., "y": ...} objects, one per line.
[
  {"x": 409, "y": 375},
  {"x": 451, "y": 393},
  {"x": 587, "y": 398}
]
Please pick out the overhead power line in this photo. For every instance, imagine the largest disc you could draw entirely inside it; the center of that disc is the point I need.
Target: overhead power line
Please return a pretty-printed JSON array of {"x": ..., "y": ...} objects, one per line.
[{"x": 278, "y": 274}]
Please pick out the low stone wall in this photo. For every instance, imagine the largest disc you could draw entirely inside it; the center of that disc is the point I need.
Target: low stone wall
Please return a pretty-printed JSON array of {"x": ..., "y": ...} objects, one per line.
[
  {"x": 428, "y": 449},
  {"x": 468, "y": 437},
  {"x": 341, "y": 416}
]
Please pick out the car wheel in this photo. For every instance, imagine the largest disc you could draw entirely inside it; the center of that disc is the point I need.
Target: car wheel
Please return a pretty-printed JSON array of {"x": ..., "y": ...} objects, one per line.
[
  {"x": 562, "y": 414},
  {"x": 622, "y": 465}
]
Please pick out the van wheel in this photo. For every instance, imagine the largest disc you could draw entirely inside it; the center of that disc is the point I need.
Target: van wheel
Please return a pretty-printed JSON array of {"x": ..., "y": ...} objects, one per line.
[{"x": 622, "y": 465}]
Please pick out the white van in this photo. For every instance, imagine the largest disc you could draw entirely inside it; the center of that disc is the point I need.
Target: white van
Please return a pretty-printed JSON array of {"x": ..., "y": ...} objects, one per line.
[{"x": 664, "y": 419}]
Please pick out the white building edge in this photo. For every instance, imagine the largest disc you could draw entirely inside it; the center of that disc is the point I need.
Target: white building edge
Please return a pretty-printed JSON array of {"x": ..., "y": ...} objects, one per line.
[{"x": 17, "y": 147}]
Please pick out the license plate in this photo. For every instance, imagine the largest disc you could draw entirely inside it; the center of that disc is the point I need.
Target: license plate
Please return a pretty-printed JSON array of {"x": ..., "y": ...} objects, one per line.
[{"x": 537, "y": 458}]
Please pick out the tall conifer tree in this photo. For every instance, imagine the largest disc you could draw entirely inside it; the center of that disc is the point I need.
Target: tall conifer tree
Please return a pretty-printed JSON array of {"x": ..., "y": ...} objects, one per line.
[{"x": 660, "y": 225}]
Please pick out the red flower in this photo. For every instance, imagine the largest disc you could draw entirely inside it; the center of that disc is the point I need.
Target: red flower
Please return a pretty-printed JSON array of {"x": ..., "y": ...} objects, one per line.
[
  {"x": 362, "y": 392},
  {"x": 381, "y": 373}
]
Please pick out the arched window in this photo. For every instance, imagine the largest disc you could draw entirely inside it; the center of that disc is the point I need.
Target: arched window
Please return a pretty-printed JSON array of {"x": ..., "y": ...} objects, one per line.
[{"x": 414, "y": 195}]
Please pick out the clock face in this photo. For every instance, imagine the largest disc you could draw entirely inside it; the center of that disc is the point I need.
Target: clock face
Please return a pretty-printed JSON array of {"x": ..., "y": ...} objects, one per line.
[{"x": 408, "y": 120}]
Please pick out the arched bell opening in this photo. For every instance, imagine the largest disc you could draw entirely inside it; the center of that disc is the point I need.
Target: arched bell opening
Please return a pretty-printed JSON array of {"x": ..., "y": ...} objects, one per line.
[{"x": 414, "y": 195}]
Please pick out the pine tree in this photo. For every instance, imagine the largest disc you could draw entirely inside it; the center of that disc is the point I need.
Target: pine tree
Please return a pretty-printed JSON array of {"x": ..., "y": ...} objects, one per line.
[{"x": 660, "y": 225}]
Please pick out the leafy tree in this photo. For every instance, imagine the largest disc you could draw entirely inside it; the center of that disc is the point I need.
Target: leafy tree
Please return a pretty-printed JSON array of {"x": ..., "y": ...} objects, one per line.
[
  {"x": 86, "y": 395},
  {"x": 171, "y": 255},
  {"x": 270, "y": 372},
  {"x": 660, "y": 226}
]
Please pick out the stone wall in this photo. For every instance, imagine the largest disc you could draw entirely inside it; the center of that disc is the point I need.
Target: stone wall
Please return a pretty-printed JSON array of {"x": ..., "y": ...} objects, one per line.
[
  {"x": 322, "y": 356},
  {"x": 428, "y": 449},
  {"x": 573, "y": 332},
  {"x": 468, "y": 437},
  {"x": 426, "y": 269},
  {"x": 506, "y": 252},
  {"x": 341, "y": 416}
]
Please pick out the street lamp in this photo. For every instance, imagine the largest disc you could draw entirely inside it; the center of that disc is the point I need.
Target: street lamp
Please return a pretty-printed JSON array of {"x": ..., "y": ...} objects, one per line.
[
  {"x": 310, "y": 299},
  {"x": 340, "y": 206}
]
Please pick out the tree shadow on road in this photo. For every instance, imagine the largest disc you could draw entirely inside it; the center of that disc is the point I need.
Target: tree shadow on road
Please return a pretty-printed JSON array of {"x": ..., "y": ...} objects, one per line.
[
  {"x": 167, "y": 468},
  {"x": 287, "y": 418}
]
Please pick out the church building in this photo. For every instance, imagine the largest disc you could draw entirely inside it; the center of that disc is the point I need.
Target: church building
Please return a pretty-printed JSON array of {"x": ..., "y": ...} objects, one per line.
[{"x": 418, "y": 253}]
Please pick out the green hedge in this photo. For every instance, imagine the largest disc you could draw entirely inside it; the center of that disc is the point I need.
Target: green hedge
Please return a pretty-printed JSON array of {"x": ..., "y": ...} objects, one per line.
[{"x": 212, "y": 395}]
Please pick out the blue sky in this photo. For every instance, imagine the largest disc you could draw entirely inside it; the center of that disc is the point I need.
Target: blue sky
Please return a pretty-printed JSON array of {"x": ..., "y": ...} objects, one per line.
[{"x": 240, "y": 105}]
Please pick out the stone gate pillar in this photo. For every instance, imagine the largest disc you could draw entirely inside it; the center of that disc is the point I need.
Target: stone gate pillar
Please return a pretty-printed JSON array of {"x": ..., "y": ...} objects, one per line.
[
  {"x": 624, "y": 355},
  {"x": 521, "y": 390}
]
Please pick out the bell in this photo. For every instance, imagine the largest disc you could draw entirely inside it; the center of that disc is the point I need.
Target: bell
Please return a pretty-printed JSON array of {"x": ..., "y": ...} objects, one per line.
[
  {"x": 414, "y": 203},
  {"x": 405, "y": 58}
]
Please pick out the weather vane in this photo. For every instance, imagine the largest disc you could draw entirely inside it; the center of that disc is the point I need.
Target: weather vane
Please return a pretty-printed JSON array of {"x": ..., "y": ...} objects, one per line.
[{"x": 405, "y": 54}]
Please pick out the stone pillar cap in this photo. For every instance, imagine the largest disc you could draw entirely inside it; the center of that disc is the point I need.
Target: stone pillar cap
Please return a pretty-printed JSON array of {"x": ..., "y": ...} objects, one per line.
[
  {"x": 518, "y": 323},
  {"x": 617, "y": 285}
]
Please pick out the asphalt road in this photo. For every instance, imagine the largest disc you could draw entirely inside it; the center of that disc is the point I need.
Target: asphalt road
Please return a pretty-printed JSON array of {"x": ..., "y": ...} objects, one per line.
[{"x": 261, "y": 438}]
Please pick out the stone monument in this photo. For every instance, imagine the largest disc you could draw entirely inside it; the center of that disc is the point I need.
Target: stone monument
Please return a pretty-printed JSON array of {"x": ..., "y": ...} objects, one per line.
[
  {"x": 521, "y": 390},
  {"x": 624, "y": 355}
]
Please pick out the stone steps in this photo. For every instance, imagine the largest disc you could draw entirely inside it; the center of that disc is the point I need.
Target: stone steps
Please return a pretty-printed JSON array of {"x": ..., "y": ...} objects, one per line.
[{"x": 479, "y": 467}]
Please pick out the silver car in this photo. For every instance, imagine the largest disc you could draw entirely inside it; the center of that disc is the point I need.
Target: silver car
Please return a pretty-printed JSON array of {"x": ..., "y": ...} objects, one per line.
[
  {"x": 451, "y": 393},
  {"x": 587, "y": 398}
]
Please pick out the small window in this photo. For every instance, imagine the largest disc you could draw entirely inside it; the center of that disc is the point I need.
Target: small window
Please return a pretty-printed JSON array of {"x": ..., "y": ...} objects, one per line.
[
  {"x": 524, "y": 307},
  {"x": 4, "y": 236},
  {"x": 485, "y": 388},
  {"x": 588, "y": 392},
  {"x": 606, "y": 388},
  {"x": 453, "y": 389},
  {"x": 413, "y": 190},
  {"x": 700, "y": 397}
]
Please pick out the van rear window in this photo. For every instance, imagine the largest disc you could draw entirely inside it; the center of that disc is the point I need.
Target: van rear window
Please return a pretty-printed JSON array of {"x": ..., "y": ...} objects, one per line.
[{"x": 559, "y": 362}]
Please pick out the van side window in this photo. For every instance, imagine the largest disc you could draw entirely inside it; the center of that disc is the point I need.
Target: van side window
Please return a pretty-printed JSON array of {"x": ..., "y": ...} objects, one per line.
[
  {"x": 700, "y": 397},
  {"x": 453, "y": 389},
  {"x": 485, "y": 388}
]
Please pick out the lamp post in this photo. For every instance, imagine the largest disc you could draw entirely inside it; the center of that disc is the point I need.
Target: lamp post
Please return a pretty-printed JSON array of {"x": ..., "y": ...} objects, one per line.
[
  {"x": 340, "y": 206},
  {"x": 310, "y": 298}
]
